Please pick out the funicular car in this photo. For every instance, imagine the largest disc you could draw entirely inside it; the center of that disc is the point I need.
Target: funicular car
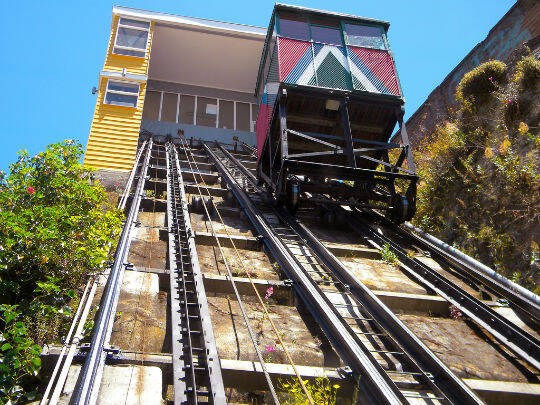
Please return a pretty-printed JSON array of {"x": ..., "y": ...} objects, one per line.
[{"x": 329, "y": 100}]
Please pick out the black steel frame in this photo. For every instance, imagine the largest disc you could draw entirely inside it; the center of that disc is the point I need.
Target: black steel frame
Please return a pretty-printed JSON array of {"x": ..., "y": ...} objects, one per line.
[{"x": 278, "y": 168}]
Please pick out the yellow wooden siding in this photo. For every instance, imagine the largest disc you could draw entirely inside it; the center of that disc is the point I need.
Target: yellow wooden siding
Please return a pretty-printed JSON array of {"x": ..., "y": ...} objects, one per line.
[{"x": 114, "y": 134}]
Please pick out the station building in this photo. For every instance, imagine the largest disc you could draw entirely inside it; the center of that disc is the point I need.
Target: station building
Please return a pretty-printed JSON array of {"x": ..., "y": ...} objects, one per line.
[{"x": 164, "y": 73}]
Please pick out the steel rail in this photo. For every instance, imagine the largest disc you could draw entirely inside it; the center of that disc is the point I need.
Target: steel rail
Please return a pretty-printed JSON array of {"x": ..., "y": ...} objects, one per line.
[
  {"x": 68, "y": 341},
  {"x": 233, "y": 284},
  {"x": 87, "y": 386},
  {"x": 190, "y": 321},
  {"x": 440, "y": 377},
  {"x": 72, "y": 339},
  {"x": 527, "y": 301},
  {"x": 376, "y": 384},
  {"x": 521, "y": 343},
  {"x": 124, "y": 198},
  {"x": 250, "y": 149}
]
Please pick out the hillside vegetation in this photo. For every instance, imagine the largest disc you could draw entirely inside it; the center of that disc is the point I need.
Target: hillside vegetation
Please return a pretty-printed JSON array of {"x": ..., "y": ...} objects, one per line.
[
  {"x": 56, "y": 228},
  {"x": 480, "y": 171}
]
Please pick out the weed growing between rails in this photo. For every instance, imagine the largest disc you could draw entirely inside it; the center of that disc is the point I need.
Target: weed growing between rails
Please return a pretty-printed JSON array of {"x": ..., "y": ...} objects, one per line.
[
  {"x": 388, "y": 256},
  {"x": 321, "y": 390},
  {"x": 56, "y": 228}
]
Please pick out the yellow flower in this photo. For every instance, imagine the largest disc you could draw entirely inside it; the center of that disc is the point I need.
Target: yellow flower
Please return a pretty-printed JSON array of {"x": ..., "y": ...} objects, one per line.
[
  {"x": 44, "y": 259},
  {"x": 523, "y": 128},
  {"x": 505, "y": 145},
  {"x": 336, "y": 386}
]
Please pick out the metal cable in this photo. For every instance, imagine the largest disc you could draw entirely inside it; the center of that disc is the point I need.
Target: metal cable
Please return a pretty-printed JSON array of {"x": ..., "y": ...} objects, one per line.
[{"x": 265, "y": 310}]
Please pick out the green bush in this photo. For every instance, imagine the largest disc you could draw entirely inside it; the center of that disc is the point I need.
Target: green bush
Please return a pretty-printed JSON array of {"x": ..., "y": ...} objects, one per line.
[
  {"x": 479, "y": 83},
  {"x": 527, "y": 73},
  {"x": 56, "y": 228}
]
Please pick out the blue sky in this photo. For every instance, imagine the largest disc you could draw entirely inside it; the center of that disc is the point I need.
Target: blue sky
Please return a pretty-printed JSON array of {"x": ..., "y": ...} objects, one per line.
[{"x": 53, "y": 51}]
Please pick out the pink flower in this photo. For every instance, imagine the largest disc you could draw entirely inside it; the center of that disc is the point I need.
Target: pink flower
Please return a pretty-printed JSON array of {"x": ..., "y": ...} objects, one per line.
[
  {"x": 455, "y": 312},
  {"x": 509, "y": 101},
  {"x": 269, "y": 292},
  {"x": 30, "y": 190},
  {"x": 270, "y": 349},
  {"x": 490, "y": 78}
]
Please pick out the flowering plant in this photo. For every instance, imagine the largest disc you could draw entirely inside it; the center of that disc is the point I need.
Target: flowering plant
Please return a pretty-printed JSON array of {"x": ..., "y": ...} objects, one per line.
[{"x": 55, "y": 229}]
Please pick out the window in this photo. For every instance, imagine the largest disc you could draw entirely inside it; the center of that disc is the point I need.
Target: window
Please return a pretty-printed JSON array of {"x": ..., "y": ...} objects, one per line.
[
  {"x": 199, "y": 110},
  {"x": 206, "y": 112},
  {"x": 367, "y": 36},
  {"x": 226, "y": 114},
  {"x": 131, "y": 37},
  {"x": 254, "y": 111},
  {"x": 242, "y": 116},
  {"x": 325, "y": 31},
  {"x": 292, "y": 26},
  {"x": 169, "y": 106},
  {"x": 152, "y": 101},
  {"x": 122, "y": 93},
  {"x": 187, "y": 109}
]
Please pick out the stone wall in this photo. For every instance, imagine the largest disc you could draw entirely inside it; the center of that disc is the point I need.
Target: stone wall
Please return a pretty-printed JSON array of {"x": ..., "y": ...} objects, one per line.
[
  {"x": 521, "y": 24},
  {"x": 113, "y": 181}
]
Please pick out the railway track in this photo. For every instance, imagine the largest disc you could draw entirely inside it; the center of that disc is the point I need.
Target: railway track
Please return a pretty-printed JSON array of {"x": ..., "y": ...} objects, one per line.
[
  {"x": 196, "y": 368},
  {"x": 386, "y": 360},
  {"x": 357, "y": 328},
  {"x": 521, "y": 343}
]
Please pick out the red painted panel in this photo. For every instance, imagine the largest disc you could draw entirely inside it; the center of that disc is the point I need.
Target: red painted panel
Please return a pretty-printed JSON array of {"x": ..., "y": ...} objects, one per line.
[
  {"x": 262, "y": 127},
  {"x": 290, "y": 52},
  {"x": 382, "y": 66}
]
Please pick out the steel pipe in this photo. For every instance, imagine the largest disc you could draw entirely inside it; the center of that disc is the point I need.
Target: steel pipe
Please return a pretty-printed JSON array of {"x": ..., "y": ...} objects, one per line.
[{"x": 475, "y": 264}]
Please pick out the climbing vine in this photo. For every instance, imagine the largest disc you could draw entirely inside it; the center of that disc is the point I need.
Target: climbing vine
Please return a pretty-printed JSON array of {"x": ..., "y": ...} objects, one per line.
[{"x": 480, "y": 171}]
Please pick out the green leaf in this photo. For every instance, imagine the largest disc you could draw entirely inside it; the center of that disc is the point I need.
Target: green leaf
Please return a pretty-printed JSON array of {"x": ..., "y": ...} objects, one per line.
[{"x": 6, "y": 346}]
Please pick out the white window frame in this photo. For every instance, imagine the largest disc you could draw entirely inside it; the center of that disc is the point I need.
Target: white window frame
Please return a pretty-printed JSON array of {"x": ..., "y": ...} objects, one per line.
[
  {"x": 218, "y": 100},
  {"x": 127, "y": 93},
  {"x": 129, "y": 48}
]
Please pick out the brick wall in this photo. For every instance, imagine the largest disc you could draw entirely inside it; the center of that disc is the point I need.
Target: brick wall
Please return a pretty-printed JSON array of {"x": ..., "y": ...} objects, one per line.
[{"x": 521, "y": 24}]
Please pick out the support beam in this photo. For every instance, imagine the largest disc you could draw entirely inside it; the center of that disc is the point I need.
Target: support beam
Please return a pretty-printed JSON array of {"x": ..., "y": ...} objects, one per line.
[
  {"x": 195, "y": 175},
  {"x": 396, "y": 301},
  {"x": 248, "y": 375},
  {"x": 353, "y": 251},
  {"x": 253, "y": 243},
  {"x": 184, "y": 164},
  {"x": 405, "y": 141},
  {"x": 214, "y": 191},
  {"x": 241, "y": 242},
  {"x": 346, "y": 124},
  {"x": 249, "y": 163},
  {"x": 283, "y": 125},
  {"x": 215, "y": 283}
]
